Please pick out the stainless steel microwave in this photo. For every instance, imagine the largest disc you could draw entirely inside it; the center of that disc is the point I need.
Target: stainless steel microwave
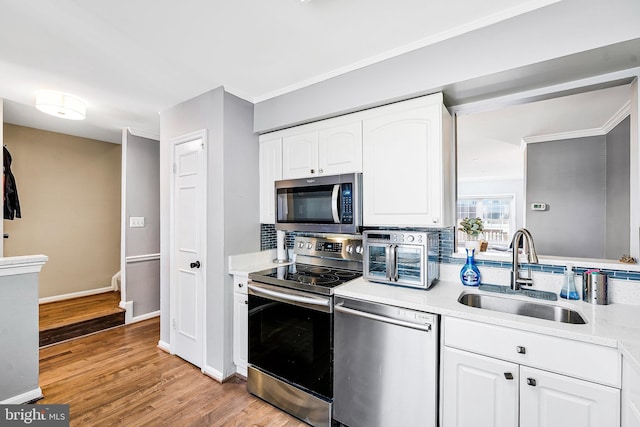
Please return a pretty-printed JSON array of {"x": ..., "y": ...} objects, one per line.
[{"x": 326, "y": 204}]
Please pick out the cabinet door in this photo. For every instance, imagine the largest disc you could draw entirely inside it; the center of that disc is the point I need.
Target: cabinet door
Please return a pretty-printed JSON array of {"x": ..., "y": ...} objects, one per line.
[
  {"x": 630, "y": 394},
  {"x": 240, "y": 332},
  {"x": 270, "y": 171},
  {"x": 402, "y": 168},
  {"x": 300, "y": 155},
  {"x": 552, "y": 400},
  {"x": 478, "y": 391},
  {"x": 340, "y": 149}
]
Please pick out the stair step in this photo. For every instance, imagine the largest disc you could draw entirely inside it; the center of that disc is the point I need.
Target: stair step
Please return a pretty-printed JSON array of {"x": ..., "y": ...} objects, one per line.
[{"x": 81, "y": 328}]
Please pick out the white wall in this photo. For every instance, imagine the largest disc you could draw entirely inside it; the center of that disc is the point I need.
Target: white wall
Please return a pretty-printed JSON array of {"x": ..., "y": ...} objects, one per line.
[
  {"x": 540, "y": 48},
  {"x": 232, "y": 208}
]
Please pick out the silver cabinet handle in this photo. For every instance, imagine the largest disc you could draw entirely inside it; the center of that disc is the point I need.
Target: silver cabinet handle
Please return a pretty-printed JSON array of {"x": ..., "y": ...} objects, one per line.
[
  {"x": 320, "y": 171},
  {"x": 508, "y": 375},
  {"x": 531, "y": 382},
  {"x": 522, "y": 350}
]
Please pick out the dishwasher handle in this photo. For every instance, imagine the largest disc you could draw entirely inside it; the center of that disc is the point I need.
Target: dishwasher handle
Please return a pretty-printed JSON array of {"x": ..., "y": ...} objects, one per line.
[{"x": 421, "y": 327}]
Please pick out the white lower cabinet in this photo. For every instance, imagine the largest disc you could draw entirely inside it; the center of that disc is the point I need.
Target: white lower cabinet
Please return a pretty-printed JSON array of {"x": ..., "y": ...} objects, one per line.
[
  {"x": 240, "y": 323},
  {"x": 630, "y": 394},
  {"x": 552, "y": 400},
  {"x": 534, "y": 387},
  {"x": 479, "y": 391}
]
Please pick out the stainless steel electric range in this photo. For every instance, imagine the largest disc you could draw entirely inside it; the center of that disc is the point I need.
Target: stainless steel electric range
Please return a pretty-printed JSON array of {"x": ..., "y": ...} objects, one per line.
[{"x": 291, "y": 326}]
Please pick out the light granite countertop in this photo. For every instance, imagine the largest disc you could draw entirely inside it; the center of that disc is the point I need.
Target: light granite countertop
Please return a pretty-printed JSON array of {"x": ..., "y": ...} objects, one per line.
[
  {"x": 254, "y": 261},
  {"x": 614, "y": 325}
]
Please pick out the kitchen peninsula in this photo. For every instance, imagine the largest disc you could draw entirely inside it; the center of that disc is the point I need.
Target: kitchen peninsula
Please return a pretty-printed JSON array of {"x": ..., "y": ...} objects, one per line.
[{"x": 19, "y": 354}]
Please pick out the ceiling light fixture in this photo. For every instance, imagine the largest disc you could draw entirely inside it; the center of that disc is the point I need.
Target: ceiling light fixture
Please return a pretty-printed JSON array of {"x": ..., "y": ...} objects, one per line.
[{"x": 61, "y": 105}]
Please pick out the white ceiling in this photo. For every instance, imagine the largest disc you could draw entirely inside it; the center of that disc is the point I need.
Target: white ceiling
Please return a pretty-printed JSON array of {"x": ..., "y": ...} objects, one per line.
[
  {"x": 130, "y": 60},
  {"x": 490, "y": 144}
]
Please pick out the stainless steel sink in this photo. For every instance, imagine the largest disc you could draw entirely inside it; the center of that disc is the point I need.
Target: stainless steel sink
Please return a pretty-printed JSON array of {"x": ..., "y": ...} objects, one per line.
[{"x": 523, "y": 308}]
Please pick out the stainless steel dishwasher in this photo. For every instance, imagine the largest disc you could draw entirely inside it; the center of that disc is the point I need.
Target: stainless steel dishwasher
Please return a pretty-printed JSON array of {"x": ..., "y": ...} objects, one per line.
[{"x": 385, "y": 365}]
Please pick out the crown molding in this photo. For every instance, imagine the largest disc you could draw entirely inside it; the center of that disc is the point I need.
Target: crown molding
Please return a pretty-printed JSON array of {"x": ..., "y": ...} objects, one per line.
[{"x": 613, "y": 121}]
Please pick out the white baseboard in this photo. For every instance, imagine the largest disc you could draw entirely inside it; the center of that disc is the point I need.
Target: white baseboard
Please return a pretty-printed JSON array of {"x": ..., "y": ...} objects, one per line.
[
  {"x": 213, "y": 373},
  {"x": 127, "y": 306},
  {"x": 24, "y": 397},
  {"x": 75, "y": 295},
  {"x": 242, "y": 370},
  {"x": 145, "y": 316},
  {"x": 164, "y": 346}
]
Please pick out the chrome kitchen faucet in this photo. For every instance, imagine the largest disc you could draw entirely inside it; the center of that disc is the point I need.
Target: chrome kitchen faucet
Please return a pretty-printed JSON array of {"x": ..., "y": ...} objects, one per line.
[{"x": 522, "y": 235}]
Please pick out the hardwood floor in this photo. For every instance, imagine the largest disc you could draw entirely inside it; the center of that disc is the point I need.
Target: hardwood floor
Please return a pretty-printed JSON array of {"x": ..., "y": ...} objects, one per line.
[
  {"x": 63, "y": 320},
  {"x": 121, "y": 377}
]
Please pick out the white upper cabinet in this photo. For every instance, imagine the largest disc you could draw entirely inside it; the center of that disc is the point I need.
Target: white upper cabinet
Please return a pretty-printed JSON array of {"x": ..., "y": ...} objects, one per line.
[
  {"x": 300, "y": 155},
  {"x": 407, "y": 164},
  {"x": 340, "y": 149},
  {"x": 330, "y": 147},
  {"x": 270, "y": 171},
  {"x": 402, "y": 149}
]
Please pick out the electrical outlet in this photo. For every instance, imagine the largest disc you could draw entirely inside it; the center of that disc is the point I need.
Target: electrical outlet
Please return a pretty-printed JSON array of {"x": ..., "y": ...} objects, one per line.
[{"x": 136, "y": 221}]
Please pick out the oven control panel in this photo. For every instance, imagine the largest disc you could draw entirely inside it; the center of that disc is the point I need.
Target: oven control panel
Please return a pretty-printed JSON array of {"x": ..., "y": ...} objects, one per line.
[{"x": 329, "y": 247}]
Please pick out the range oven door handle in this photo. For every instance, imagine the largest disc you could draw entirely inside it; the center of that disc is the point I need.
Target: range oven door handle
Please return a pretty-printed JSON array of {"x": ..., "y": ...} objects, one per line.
[
  {"x": 334, "y": 203},
  {"x": 316, "y": 303},
  {"x": 421, "y": 327}
]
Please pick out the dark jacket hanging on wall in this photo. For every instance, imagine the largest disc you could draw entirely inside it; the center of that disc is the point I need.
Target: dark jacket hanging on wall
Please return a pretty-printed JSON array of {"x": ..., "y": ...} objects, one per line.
[{"x": 11, "y": 202}]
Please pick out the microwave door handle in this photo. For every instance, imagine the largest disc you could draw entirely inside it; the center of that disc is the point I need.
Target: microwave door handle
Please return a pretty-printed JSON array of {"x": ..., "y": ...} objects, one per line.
[{"x": 334, "y": 203}]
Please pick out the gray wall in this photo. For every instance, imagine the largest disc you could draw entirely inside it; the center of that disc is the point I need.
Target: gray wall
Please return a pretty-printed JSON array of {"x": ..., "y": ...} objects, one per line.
[
  {"x": 585, "y": 182},
  {"x": 537, "y": 49},
  {"x": 232, "y": 203},
  {"x": 570, "y": 176},
  {"x": 618, "y": 203},
  {"x": 19, "y": 364},
  {"x": 142, "y": 199}
]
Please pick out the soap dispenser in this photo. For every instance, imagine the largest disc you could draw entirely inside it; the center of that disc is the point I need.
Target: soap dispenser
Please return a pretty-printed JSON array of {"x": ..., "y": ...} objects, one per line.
[
  {"x": 569, "y": 290},
  {"x": 470, "y": 274}
]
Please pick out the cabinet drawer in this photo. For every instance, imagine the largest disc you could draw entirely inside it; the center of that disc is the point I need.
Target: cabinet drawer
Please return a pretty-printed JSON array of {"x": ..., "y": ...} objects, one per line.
[{"x": 587, "y": 361}]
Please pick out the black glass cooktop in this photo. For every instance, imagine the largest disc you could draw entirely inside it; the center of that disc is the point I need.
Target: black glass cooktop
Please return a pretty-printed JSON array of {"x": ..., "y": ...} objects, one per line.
[{"x": 309, "y": 277}]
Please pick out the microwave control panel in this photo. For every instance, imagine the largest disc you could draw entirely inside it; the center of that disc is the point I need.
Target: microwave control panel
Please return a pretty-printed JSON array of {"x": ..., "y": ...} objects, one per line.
[{"x": 347, "y": 204}]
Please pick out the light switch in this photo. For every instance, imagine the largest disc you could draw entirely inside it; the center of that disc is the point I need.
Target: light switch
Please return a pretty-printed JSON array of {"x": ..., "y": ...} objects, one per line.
[{"x": 136, "y": 221}]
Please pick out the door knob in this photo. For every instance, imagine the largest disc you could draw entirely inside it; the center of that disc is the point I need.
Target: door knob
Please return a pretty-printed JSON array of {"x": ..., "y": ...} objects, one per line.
[
  {"x": 520, "y": 349},
  {"x": 195, "y": 264},
  {"x": 531, "y": 382},
  {"x": 508, "y": 375}
]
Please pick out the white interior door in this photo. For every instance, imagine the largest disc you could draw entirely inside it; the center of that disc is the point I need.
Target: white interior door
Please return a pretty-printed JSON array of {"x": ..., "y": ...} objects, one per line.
[{"x": 188, "y": 237}]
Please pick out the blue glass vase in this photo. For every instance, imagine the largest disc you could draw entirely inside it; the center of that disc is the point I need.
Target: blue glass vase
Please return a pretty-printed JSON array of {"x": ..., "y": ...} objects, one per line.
[{"x": 469, "y": 274}]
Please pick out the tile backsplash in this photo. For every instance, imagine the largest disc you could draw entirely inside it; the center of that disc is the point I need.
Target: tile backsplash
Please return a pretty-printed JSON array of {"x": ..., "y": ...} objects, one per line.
[
  {"x": 268, "y": 238},
  {"x": 446, "y": 250}
]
